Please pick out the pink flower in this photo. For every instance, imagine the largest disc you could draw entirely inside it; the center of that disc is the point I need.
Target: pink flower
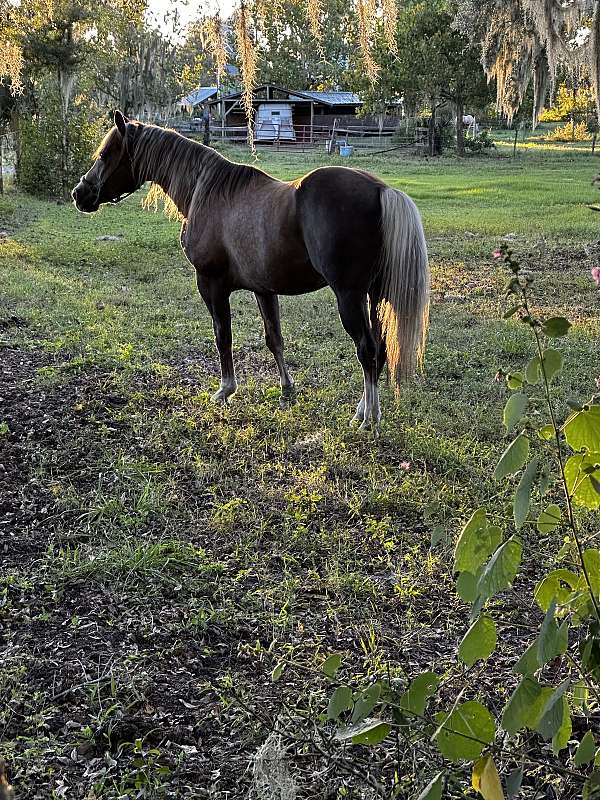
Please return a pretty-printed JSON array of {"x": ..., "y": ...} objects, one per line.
[
  {"x": 405, "y": 465},
  {"x": 596, "y": 275},
  {"x": 598, "y": 383},
  {"x": 497, "y": 254}
]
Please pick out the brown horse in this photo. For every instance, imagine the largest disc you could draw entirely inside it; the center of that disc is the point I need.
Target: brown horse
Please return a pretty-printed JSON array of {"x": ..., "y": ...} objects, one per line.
[{"x": 243, "y": 229}]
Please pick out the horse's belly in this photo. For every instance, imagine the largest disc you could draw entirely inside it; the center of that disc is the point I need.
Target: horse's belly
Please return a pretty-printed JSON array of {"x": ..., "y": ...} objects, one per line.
[{"x": 288, "y": 272}]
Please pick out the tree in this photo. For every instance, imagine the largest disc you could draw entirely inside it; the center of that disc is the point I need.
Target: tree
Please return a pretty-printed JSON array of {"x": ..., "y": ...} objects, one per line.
[
  {"x": 531, "y": 42},
  {"x": 288, "y": 51},
  {"x": 431, "y": 65}
]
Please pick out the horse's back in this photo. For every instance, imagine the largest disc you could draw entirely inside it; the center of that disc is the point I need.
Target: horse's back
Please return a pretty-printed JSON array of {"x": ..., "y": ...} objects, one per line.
[{"x": 339, "y": 212}]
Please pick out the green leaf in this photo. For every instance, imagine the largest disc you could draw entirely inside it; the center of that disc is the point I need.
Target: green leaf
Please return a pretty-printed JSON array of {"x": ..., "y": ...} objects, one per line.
[
  {"x": 331, "y": 664},
  {"x": 464, "y": 733},
  {"x": 532, "y": 371},
  {"x": 433, "y": 790},
  {"x": 546, "y": 433},
  {"x": 552, "y": 588},
  {"x": 466, "y": 587},
  {"x": 366, "y": 702},
  {"x": 514, "y": 779},
  {"x": 563, "y": 735},
  {"x": 370, "y": 732},
  {"x": 277, "y": 671},
  {"x": 479, "y": 641},
  {"x": 522, "y": 497},
  {"x": 514, "y": 409},
  {"x": 552, "y": 363},
  {"x": 501, "y": 569},
  {"x": 578, "y": 470},
  {"x": 556, "y": 327},
  {"x": 513, "y": 458},
  {"x": 515, "y": 380},
  {"x": 512, "y": 311},
  {"x": 581, "y": 694},
  {"x": 340, "y": 701},
  {"x": 591, "y": 788},
  {"x": 591, "y": 559},
  {"x": 552, "y": 641},
  {"x": 549, "y": 519},
  {"x": 553, "y": 712},
  {"x": 525, "y": 705},
  {"x": 420, "y": 690},
  {"x": 582, "y": 430},
  {"x": 475, "y": 543},
  {"x": 485, "y": 779},
  {"x": 586, "y": 750},
  {"x": 545, "y": 479},
  {"x": 528, "y": 662},
  {"x": 437, "y": 534}
]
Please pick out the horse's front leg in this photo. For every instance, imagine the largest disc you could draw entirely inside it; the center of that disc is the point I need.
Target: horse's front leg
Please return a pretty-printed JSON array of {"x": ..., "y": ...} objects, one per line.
[
  {"x": 216, "y": 297},
  {"x": 269, "y": 309}
]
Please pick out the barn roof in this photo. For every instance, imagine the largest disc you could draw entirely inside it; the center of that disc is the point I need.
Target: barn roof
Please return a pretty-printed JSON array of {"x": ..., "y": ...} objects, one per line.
[
  {"x": 199, "y": 95},
  {"x": 332, "y": 98}
]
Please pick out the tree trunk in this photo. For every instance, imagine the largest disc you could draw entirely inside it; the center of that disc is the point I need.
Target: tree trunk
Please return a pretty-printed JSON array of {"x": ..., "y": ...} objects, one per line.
[
  {"x": 460, "y": 130},
  {"x": 431, "y": 131},
  {"x": 1, "y": 163}
]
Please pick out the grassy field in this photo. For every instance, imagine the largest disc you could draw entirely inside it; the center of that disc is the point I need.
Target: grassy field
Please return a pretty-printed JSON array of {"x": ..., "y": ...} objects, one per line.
[{"x": 160, "y": 555}]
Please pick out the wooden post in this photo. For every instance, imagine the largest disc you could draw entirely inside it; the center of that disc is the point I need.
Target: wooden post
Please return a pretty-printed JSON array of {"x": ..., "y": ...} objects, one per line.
[
  {"x": 515, "y": 144},
  {"x": 594, "y": 137},
  {"x": 312, "y": 119},
  {"x": 222, "y": 120},
  {"x": 206, "y": 138},
  {"x": 1, "y": 163}
]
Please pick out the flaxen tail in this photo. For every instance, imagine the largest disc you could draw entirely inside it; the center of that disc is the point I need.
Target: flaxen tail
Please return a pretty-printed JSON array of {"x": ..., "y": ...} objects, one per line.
[{"x": 403, "y": 308}]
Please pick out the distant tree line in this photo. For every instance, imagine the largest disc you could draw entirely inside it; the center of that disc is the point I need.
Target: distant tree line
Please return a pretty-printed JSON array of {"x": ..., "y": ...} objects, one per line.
[{"x": 65, "y": 63}]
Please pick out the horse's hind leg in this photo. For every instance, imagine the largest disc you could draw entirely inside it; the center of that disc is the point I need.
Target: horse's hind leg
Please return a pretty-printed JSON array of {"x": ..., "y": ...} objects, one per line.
[
  {"x": 216, "y": 298},
  {"x": 359, "y": 416},
  {"x": 352, "y": 306},
  {"x": 269, "y": 309}
]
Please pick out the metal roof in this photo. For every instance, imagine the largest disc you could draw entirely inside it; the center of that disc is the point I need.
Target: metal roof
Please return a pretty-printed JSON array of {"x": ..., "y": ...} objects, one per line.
[
  {"x": 199, "y": 95},
  {"x": 332, "y": 98}
]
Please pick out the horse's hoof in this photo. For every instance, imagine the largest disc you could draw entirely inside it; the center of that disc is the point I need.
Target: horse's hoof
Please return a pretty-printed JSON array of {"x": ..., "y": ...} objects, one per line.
[
  {"x": 370, "y": 426},
  {"x": 287, "y": 399},
  {"x": 221, "y": 397}
]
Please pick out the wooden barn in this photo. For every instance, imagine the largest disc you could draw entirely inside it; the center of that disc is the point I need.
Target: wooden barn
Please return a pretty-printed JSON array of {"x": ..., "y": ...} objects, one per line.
[{"x": 288, "y": 114}]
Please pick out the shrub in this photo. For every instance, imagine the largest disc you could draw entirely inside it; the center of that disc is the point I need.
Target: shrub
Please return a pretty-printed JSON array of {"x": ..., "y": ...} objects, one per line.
[
  {"x": 477, "y": 144},
  {"x": 50, "y": 163},
  {"x": 570, "y": 133}
]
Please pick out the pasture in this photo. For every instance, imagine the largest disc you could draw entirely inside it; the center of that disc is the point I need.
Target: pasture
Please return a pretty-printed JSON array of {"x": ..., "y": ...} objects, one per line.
[{"x": 161, "y": 556}]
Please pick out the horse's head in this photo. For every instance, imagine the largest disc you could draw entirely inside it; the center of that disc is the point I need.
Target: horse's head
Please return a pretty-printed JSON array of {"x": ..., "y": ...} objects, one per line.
[{"x": 112, "y": 176}]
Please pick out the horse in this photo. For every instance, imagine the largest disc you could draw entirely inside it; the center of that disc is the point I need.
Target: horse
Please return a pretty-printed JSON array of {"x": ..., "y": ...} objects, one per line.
[{"x": 243, "y": 229}]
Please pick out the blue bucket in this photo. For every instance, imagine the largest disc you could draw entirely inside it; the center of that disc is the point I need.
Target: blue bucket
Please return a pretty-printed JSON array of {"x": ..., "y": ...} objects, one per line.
[{"x": 346, "y": 150}]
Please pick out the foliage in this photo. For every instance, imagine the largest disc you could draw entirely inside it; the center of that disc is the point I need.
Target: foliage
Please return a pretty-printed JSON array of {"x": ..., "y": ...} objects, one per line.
[
  {"x": 530, "y": 42},
  {"x": 558, "y": 675},
  {"x": 569, "y": 132},
  {"x": 567, "y": 101},
  {"x": 40, "y": 168},
  {"x": 480, "y": 143}
]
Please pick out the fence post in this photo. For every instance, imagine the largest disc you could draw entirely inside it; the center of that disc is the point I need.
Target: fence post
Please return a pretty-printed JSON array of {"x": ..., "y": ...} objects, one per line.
[
  {"x": 594, "y": 137},
  {"x": 515, "y": 144}
]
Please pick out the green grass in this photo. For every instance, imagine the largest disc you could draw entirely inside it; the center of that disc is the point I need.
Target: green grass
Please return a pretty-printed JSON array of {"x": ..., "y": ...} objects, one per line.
[{"x": 164, "y": 554}]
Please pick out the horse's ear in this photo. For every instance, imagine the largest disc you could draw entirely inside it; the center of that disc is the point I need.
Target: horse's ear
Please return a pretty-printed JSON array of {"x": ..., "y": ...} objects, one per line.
[{"x": 121, "y": 122}]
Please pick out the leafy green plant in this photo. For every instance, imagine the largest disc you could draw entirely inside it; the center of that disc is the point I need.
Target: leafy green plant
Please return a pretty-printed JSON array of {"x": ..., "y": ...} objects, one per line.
[
  {"x": 478, "y": 144},
  {"x": 553, "y": 467}
]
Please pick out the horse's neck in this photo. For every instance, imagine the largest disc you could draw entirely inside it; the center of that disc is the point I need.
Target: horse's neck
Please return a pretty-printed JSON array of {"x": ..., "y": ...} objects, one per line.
[{"x": 184, "y": 169}]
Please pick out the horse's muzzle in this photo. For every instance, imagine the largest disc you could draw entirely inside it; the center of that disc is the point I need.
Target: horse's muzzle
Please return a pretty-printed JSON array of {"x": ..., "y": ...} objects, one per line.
[{"x": 84, "y": 198}]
